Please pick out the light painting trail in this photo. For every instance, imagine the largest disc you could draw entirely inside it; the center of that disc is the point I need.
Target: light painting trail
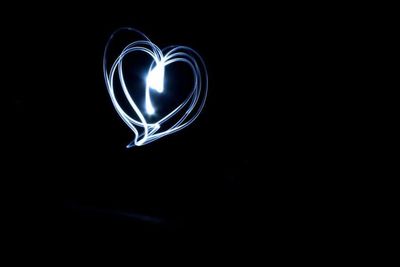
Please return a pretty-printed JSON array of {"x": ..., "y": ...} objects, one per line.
[{"x": 183, "y": 115}]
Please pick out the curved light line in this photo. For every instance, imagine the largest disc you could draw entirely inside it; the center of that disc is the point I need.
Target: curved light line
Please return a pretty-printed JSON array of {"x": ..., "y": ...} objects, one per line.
[{"x": 144, "y": 131}]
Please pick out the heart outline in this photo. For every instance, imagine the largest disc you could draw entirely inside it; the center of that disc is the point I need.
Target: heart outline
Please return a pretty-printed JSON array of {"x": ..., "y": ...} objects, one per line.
[{"x": 168, "y": 55}]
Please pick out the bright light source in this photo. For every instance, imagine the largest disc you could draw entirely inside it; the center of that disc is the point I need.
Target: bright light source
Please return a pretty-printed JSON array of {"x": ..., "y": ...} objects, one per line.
[
  {"x": 155, "y": 81},
  {"x": 155, "y": 78}
]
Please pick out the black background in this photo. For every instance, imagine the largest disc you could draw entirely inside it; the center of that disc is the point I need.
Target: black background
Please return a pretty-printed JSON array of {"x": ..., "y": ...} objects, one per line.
[{"x": 252, "y": 163}]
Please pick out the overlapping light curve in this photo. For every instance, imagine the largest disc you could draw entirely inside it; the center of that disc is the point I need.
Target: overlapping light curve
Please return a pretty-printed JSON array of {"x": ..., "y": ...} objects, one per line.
[{"x": 144, "y": 131}]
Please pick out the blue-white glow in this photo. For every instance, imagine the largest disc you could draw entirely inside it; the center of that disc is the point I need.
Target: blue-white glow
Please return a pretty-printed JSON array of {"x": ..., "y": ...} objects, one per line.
[
  {"x": 146, "y": 132},
  {"x": 154, "y": 80}
]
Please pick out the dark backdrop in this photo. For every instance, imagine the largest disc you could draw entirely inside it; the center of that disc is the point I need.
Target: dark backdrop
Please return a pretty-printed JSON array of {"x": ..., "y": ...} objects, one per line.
[{"x": 252, "y": 161}]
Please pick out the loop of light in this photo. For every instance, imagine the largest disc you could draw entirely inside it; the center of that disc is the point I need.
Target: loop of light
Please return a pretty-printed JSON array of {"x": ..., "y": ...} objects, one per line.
[{"x": 144, "y": 131}]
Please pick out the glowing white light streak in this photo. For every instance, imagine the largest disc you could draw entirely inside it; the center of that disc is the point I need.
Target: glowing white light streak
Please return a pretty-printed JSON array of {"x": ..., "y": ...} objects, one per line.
[
  {"x": 146, "y": 132},
  {"x": 154, "y": 80}
]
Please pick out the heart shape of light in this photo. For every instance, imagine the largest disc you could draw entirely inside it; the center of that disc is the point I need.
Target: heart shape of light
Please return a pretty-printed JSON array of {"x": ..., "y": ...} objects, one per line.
[{"x": 183, "y": 115}]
